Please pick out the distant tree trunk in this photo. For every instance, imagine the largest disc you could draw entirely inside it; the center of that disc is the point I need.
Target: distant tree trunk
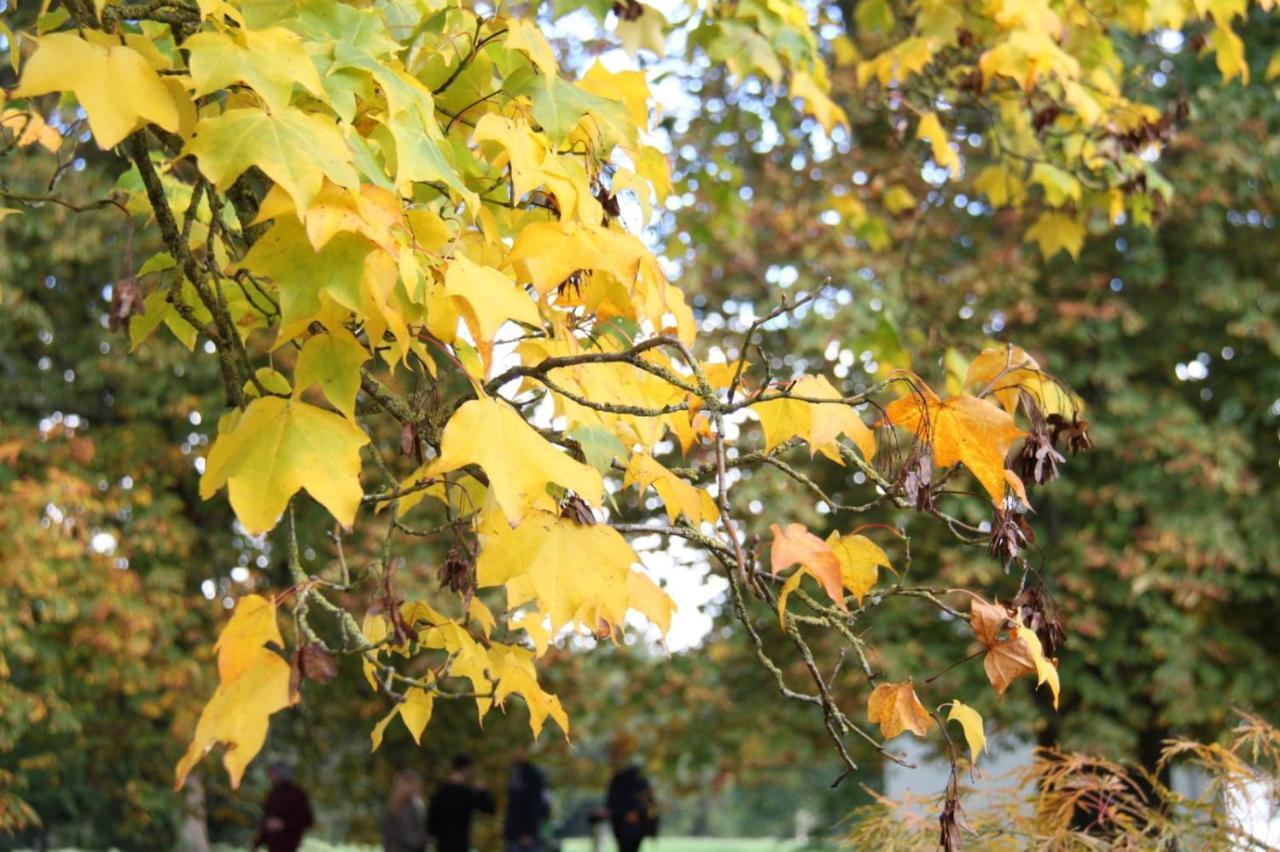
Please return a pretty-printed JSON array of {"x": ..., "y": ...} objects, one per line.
[
  {"x": 193, "y": 832},
  {"x": 1150, "y": 745},
  {"x": 702, "y": 817}
]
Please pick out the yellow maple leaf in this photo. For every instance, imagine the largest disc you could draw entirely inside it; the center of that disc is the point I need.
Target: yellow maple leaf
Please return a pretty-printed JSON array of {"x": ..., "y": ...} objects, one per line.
[
  {"x": 278, "y": 446},
  {"x": 30, "y": 128},
  {"x": 573, "y": 573},
  {"x": 1001, "y": 186},
  {"x": 646, "y": 597},
  {"x": 1054, "y": 231},
  {"x": 513, "y": 668},
  {"x": 1005, "y": 371},
  {"x": 467, "y": 659},
  {"x": 1228, "y": 50},
  {"x": 860, "y": 560},
  {"x": 630, "y": 87},
  {"x": 486, "y": 299},
  {"x": 119, "y": 90},
  {"x": 895, "y": 707},
  {"x": 332, "y": 361},
  {"x": 678, "y": 497},
  {"x": 1046, "y": 671},
  {"x": 270, "y": 61},
  {"x": 930, "y": 130},
  {"x": 296, "y": 149},
  {"x": 523, "y": 35},
  {"x": 819, "y": 424},
  {"x": 254, "y": 683},
  {"x": 519, "y": 462},
  {"x": 817, "y": 102},
  {"x": 962, "y": 429},
  {"x": 1027, "y": 57},
  {"x": 547, "y": 253},
  {"x": 971, "y": 722},
  {"x": 414, "y": 711},
  {"x": 646, "y": 32},
  {"x": 252, "y": 625},
  {"x": 534, "y": 624}
]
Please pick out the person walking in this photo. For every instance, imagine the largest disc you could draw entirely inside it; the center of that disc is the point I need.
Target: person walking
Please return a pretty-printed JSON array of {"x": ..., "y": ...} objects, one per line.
[
  {"x": 629, "y": 803},
  {"x": 404, "y": 826},
  {"x": 454, "y": 804},
  {"x": 528, "y": 805},
  {"x": 286, "y": 813}
]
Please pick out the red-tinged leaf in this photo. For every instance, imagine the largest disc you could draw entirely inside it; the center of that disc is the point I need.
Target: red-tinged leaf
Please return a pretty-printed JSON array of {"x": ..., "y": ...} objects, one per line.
[{"x": 796, "y": 545}]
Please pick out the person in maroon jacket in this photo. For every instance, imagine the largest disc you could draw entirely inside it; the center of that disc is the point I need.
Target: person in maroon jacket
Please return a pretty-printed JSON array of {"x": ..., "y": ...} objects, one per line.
[{"x": 286, "y": 814}]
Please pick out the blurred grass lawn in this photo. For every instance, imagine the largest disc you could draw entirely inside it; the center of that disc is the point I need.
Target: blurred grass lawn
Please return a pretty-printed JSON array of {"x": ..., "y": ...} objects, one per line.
[
  {"x": 696, "y": 844},
  {"x": 582, "y": 844}
]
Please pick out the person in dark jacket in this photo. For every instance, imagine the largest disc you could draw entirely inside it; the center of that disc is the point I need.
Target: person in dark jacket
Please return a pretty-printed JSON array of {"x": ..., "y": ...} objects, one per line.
[
  {"x": 454, "y": 804},
  {"x": 404, "y": 826},
  {"x": 528, "y": 806},
  {"x": 286, "y": 814},
  {"x": 631, "y": 808}
]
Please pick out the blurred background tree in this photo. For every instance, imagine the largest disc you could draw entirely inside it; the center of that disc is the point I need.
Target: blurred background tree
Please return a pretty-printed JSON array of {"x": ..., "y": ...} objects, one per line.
[{"x": 1159, "y": 549}]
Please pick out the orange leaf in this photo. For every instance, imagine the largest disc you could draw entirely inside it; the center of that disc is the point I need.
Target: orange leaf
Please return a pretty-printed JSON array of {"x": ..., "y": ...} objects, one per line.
[
  {"x": 1006, "y": 662},
  {"x": 962, "y": 429},
  {"x": 896, "y": 708},
  {"x": 796, "y": 544}
]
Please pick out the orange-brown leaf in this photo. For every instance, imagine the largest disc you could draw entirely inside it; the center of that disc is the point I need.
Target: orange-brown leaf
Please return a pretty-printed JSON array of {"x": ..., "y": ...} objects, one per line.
[
  {"x": 1006, "y": 662},
  {"x": 895, "y": 707},
  {"x": 987, "y": 621},
  {"x": 795, "y": 544},
  {"x": 962, "y": 429}
]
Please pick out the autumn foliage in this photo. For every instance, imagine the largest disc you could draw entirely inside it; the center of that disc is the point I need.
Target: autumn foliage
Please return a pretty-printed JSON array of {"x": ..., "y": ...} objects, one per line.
[{"x": 401, "y": 230}]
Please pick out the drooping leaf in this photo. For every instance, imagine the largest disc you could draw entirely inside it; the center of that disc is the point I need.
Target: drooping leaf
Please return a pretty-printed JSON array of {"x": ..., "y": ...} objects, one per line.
[
  {"x": 254, "y": 683},
  {"x": 1046, "y": 671},
  {"x": 519, "y": 462},
  {"x": 513, "y": 668},
  {"x": 414, "y": 711},
  {"x": 895, "y": 707},
  {"x": 1007, "y": 661},
  {"x": 971, "y": 722},
  {"x": 860, "y": 561},
  {"x": 332, "y": 361},
  {"x": 572, "y": 572},
  {"x": 678, "y": 497}
]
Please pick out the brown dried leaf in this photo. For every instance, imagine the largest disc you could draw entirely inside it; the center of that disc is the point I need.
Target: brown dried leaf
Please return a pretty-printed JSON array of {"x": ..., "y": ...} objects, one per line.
[
  {"x": 1006, "y": 662},
  {"x": 310, "y": 661},
  {"x": 987, "y": 621}
]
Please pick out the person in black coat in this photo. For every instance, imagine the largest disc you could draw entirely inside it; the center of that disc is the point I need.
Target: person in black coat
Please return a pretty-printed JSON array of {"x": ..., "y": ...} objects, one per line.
[
  {"x": 455, "y": 802},
  {"x": 528, "y": 806},
  {"x": 286, "y": 814},
  {"x": 629, "y": 802}
]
